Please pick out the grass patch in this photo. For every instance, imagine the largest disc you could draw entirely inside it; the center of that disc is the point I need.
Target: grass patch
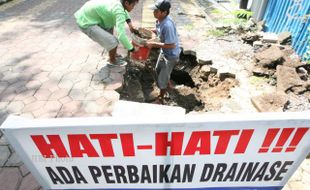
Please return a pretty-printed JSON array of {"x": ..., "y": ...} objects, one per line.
[
  {"x": 243, "y": 14},
  {"x": 241, "y": 17},
  {"x": 215, "y": 33},
  {"x": 235, "y": 21},
  {"x": 256, "y": 81},
  {"x": 217, "y": 12}
]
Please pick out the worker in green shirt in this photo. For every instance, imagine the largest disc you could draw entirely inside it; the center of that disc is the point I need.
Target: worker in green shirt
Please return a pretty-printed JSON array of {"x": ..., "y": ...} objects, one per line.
[{"x": 97, "y": 19}]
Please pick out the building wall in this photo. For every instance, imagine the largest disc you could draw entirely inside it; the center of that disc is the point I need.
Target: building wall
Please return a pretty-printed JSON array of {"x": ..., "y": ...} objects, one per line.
[{"x": 258, "y": 7}]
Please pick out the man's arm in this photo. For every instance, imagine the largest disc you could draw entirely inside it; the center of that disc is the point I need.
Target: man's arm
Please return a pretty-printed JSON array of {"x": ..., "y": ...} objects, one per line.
[
  {"x": 131, "y": 27},
  {"x": 151, "y": 44},
  {"x": 169, "y": 40},
  {"x": 120, "y": 28}
]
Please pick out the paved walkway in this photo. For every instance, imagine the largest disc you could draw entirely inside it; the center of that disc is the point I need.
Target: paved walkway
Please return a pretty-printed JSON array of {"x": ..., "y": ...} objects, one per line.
[{"x": 49, "y": 69}]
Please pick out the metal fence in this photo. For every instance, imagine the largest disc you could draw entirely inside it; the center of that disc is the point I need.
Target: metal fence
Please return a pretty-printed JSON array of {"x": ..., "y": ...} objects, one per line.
[{"x": 292, "y": 16}]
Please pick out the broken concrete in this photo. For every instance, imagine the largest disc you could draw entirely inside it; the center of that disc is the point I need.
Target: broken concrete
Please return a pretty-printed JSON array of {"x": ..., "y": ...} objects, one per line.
[
  {"x": 250, "y": 25},
  {"x": 263, "y": 72},
  {"x": 285, "y": 38},
  {"x": 270, "y": 102},
  {"x": 270, "y": 57},
  {"x": 257, "y": 45},
  {"x": 224, "y": 74},
  {"x": 250, "y": 37},
  {"x": 270, "y": 38},
  {"x": 305, "y": 67},
  {"x": 203, "y": 59},
  {"x": 297, "y": 103},
  {"x": 260, "y": 25},
  {"x": 287, "y": 78},
  {"x": 298, "y": 90},
  {"x": 205, "y": 71},
  {"x": 303, "y": 73}
]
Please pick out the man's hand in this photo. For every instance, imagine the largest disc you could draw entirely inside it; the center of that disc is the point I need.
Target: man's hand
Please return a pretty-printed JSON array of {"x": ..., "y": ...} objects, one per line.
[
  {"x": 134, "y": 49},
  {"x": 133, "y": 30},
  {"x": 131, "y": 27},
  {"x": 149, "y": 44}
]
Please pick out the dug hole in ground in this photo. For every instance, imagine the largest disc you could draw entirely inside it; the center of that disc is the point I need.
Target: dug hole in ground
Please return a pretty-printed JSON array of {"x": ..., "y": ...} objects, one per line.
[
  {"x": 237, "y": 68},
  {"x": 195, "y": 87}
]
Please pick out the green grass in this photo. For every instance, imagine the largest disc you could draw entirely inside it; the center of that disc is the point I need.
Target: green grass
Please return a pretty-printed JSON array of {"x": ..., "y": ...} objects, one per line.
[
  {"x": 215, "y": 33},
  {"x": 236, "y": 21},
  {"x": 256, "y": 81},
  {"x": 243, "y": 14},
  {"x": 217, "y": 12}
]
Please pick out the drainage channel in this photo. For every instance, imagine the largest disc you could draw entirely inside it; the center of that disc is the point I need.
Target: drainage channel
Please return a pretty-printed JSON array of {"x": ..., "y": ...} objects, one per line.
[{"x": 195, "y": 87}]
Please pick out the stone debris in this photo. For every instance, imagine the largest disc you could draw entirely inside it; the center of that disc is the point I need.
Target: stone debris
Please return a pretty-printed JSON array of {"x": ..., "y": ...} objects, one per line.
[
  {"x": 257, "y": 45},
  {"x": 225, "y": 73},
  {"x": 250, "y": 37},
  {"x": 203, "y": 60},
  {"x": 285, "y": 38},
  {"x": 260, "y": 25},
  {"x": 263, "y": 72},
  {"x": 206, "y": 70},
  {"x": 292, "y": 76},
  {"x": 270, "y": 37},
  {"x": 292, "y": 59},
  {"x": 280, "y": 62},
  {"x": 270, "y": 57},
  {"x": 303, "y": 73},
  {"x": 287, "y": 78},
  {"x": 296, "y": 103},
  {"x": 270, "y": 102}
]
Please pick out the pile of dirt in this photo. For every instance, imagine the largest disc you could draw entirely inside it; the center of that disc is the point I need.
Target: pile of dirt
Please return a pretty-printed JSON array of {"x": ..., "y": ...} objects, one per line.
[{"x": 195, "y": 87}]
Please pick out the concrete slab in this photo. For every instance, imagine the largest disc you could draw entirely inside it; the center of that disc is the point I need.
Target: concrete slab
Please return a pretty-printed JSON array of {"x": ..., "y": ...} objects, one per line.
[{"x": 270, "y": 38}]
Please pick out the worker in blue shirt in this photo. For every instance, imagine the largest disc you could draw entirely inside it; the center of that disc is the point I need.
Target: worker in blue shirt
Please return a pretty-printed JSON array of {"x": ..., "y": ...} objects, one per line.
[{"x": 169, "y": 44}]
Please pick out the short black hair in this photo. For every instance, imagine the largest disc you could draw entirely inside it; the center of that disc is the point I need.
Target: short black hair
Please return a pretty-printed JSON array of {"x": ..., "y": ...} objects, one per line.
[
  {"x": 163, "y": 6},
  {"x": 168, "y": 11},
  {"x": 129, "y": 1}
]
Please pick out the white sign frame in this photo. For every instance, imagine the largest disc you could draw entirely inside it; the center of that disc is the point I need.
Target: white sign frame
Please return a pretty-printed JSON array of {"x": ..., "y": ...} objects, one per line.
[{"x": 15, "y": 128}]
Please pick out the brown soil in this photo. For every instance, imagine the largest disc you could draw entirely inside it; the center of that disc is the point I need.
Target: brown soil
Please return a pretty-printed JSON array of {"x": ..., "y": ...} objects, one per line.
[{"x": 194, "y": 88}]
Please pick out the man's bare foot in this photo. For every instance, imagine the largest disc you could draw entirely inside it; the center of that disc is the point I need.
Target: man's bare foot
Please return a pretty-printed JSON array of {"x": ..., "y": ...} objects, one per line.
[{"x": 159, "y": 100}]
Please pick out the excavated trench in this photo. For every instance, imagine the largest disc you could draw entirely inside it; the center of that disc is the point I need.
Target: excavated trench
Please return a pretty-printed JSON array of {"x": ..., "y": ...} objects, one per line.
[{"x": 196, "y": 87}]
